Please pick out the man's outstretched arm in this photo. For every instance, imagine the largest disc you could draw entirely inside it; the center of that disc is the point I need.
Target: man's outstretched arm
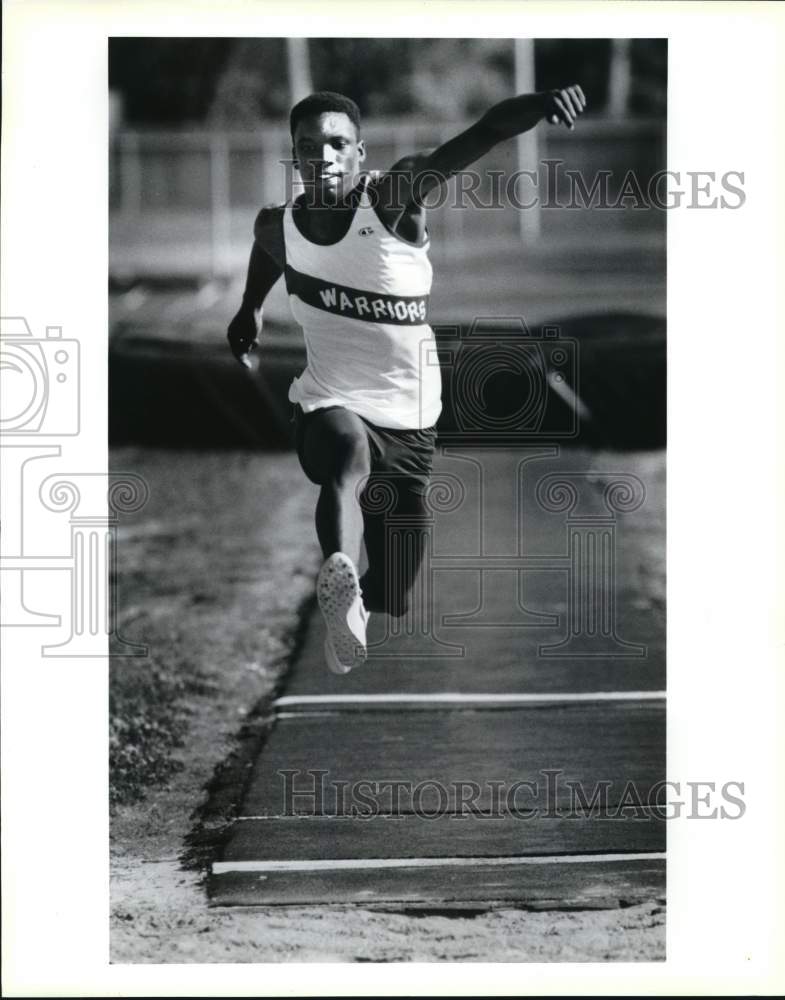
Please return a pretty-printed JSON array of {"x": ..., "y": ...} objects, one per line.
[
  {"x": 504, "y": 121},
  {"x": 412, "y": 177},
  {"x": 265, "y": 267}
]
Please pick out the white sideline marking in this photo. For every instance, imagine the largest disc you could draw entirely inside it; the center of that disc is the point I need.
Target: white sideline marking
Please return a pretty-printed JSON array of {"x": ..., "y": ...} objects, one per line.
[
  {"x": 454, "y": 698},
  {"x": 352, "y": 864}
]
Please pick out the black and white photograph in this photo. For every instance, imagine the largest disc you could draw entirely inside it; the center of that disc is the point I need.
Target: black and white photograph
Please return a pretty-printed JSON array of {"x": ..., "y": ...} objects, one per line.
[
  {"x": 384, "y": 572},
  {"x": 387, "y": 347}
]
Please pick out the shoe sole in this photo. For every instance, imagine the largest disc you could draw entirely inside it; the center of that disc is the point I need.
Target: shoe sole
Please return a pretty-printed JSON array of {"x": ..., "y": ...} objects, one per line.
[{"x": 336, "y": 590}]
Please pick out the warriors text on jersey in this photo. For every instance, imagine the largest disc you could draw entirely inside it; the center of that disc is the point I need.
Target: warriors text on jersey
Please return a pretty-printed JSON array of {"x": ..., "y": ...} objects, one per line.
[{"x": 362, "y": 303}]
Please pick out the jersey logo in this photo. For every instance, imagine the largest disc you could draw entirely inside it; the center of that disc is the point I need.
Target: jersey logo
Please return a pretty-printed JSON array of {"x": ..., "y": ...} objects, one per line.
[
  {"x": 356, "y": 303},
  {"x": 366, "y": 231}
]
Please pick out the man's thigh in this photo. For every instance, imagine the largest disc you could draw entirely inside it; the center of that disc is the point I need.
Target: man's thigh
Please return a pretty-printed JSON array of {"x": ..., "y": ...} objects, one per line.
[{"x": 328, "y": 440}]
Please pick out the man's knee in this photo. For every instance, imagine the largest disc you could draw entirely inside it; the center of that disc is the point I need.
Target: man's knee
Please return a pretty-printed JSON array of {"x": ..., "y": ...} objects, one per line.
[{"x": 351, "y": 455}]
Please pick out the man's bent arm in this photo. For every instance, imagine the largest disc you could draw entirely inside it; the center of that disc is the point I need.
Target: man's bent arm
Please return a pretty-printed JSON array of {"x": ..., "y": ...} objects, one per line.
[
  {"x": 265, "y": 267},
  {"x": 263, "y": 272}
]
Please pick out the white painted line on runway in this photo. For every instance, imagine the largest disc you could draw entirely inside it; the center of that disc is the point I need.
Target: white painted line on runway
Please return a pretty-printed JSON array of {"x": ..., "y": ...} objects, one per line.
[
  {"x": 455, "y": 698},
  {"x": 357, "y": 864}
]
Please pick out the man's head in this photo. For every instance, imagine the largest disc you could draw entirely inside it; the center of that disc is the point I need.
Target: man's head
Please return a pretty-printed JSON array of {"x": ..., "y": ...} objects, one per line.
[{"x": 326, "y": 145}]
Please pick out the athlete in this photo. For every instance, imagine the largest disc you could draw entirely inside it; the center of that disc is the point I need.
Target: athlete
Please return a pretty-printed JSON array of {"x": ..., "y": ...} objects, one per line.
[{"x": 354, "y": 252}]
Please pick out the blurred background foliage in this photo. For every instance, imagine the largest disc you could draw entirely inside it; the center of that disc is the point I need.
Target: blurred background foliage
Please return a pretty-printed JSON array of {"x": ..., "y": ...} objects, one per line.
[{"x": 240, "y": 83}]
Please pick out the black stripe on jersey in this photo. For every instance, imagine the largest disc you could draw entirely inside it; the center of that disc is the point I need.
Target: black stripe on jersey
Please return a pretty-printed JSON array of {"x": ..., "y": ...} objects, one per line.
[{"x": 355, "y": 303}]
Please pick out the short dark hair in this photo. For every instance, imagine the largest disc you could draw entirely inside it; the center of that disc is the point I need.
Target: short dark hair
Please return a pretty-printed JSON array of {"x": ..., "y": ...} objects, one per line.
[{"x": 319, "y": 103}]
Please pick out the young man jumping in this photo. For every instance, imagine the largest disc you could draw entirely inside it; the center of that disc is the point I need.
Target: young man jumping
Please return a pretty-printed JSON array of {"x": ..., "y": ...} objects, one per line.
[{"x": 354, "y": 252}]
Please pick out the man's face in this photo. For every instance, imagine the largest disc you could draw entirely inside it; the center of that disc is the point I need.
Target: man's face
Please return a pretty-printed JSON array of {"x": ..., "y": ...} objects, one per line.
[{"x": 328, "y": 154}]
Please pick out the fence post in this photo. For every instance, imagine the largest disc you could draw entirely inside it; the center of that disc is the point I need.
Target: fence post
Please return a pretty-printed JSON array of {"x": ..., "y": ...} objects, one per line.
[
  {"x": 131, "y": 175},
  {"x": 529, "y": 221},
  {"x": 619, "y": 77},
  {"x": 220, "y": 206}
]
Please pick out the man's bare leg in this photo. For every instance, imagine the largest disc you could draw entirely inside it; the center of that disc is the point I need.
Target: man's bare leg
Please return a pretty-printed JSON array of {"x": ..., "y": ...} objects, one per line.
[
  {"x": 339, "y": 521},
  {"x": 335, "y": 454}
]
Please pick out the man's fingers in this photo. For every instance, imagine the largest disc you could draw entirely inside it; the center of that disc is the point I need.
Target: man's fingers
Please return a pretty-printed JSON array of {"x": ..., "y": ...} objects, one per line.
[
  {"x": 243, "y": 346},
  {"x": 570, "y": 102},
  {"x": 577, "y": 100},
  {"x": 564, "y": 114},
  {"x": 245, "y": 359},
  {"x": 241, "y": 349}
]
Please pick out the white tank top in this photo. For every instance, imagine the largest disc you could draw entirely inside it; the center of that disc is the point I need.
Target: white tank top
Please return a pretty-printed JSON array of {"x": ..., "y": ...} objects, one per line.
[{"x": 362, "y": 303}]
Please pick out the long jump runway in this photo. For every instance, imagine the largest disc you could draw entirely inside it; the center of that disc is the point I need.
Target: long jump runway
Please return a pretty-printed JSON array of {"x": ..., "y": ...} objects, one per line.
[{"x": 504, "y": 740}]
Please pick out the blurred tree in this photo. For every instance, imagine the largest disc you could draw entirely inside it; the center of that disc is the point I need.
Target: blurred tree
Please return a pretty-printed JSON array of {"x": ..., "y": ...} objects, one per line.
[
  {"x": 560, "y": 61},
  {"x": 451, "y": 78},
  {"x": 253, "y": 84},
  {"x": 239, "y": 82},
  {"x": 374, "y": 72},
  {"x": 457, "y": 78},
  {"x": 166, "y": 81},
  {"x": 649, "y": 76}
]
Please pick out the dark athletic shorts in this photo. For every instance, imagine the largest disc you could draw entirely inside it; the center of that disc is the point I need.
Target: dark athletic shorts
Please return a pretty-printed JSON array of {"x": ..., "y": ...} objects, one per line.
[{"x": 404, "y": 454}]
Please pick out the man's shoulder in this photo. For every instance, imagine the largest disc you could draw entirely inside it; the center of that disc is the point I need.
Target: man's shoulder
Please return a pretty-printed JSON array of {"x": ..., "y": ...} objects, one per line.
[
  {"x": 268, "y": 219},
  {"x": 268, "y": 231}
]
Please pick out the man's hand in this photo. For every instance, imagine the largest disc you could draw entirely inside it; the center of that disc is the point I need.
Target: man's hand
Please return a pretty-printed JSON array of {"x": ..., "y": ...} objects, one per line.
[
  {"x": 564, "y": 106},
  {"x": 243, "y": 334}
]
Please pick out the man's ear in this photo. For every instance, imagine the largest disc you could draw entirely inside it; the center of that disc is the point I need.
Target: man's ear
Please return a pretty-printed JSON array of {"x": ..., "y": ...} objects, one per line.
[
  {"x": 295, "y": 161},
  {"x": 361, "y": 150}
]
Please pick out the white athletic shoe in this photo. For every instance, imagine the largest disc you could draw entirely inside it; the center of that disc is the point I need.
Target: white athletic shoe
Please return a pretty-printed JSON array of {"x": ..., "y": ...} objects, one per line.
[{"x": 340, "y": 601}]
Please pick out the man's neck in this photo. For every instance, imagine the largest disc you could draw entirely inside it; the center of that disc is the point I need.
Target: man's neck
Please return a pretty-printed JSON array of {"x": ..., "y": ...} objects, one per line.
[{"x": 325, "y": 220}]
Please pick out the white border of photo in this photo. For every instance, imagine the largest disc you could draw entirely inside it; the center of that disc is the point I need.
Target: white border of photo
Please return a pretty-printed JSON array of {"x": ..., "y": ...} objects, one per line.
[{"x": 725, "y": 492}]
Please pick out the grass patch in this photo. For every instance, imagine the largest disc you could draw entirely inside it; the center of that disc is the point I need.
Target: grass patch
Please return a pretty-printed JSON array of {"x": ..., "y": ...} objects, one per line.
[{"x": 148, "y": 722}]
